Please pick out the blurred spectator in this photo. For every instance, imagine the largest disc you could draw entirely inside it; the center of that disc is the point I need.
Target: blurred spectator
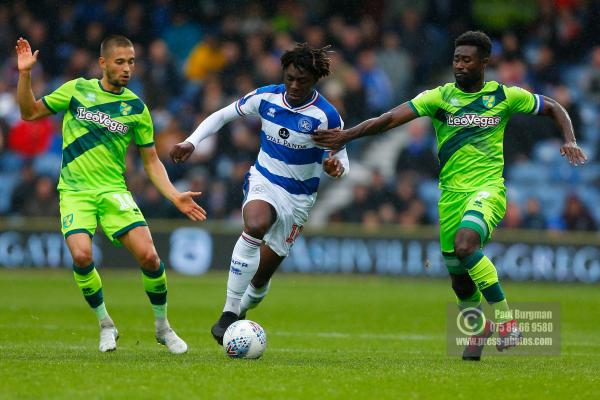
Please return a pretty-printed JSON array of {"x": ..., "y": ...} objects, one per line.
[
  {"x": 30, "y": 138},
  {"x": 42, "y": 202},
  {"x": 533, "y": 218},
  {"x": 181, "y": 35},
  {"x": 512, "y": 218},
  {"x": 379, "y": 192},
  {"x": 375, "y": 81},
  {"x": 206, "y": 57},
  {"x": 25, "y": 189},
  {"x": 161, "y": 79},
  {"x": 576, "y": 216},
  {"x": 417, "y": 155},
  {"x": 360, "y": 204},
  {"x": 397, "y": 65},
  {"x": 414, "y": 214},
  {"x": 590, "y": 78}
]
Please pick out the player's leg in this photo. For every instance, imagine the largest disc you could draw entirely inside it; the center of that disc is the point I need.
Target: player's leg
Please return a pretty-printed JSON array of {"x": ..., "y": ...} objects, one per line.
[
  {"x": 139, "y": 242},
  {"x": 483, "y": 212},
  {"x": 259, "y": 216},
  {"x": 123, "y": 222},
  {"x": 78, "y": 213},
  {"x": 259, "y": 286},
  {"x": 89, "y": 282},
  {"x": 451, "y": 208}
]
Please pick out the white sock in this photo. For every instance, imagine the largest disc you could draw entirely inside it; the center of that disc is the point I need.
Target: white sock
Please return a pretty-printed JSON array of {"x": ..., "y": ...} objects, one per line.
[
  {"x": 253, "y": 296},
  {"x": 244, "y": 263},
  {"x": 161, "y": 325}
]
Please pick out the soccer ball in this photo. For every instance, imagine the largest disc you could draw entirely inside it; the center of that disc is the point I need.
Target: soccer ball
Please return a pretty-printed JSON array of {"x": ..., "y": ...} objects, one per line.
[{"x": 244, "y": 339}]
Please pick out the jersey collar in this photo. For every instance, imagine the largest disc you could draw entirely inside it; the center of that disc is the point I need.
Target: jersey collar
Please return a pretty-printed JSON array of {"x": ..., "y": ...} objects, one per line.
[
  {"x": 308, "y": 103},
  {"x": 108, "y": 91}
]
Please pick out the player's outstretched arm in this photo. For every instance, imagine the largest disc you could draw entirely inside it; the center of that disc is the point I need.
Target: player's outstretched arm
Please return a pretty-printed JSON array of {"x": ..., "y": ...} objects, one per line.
[
  {"x": 335, "y": 138},
  {"x": 31, "y": 108},
  {"x": 211, "y": 125},
  {"x": 569, "y": 149},
  {"x": 158, "y": 175}
]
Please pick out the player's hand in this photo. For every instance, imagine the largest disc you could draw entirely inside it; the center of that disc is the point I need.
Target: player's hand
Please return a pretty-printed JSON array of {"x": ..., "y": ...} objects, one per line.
[
  {"x": 332, "y": 166},
  {"x": 574, "y": 154},
  {"x": 333, "y": 139},
  {"x": 181, "y": 152},
  {"x": 25, "y": 59},
  {"x": 186, "y": 204}
]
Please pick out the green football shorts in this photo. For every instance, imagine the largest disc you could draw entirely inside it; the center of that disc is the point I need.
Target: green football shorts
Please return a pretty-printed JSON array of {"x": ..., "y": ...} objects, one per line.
[
  {"x": 116, "y": 212},
  {"x": 481, "y": 210}
]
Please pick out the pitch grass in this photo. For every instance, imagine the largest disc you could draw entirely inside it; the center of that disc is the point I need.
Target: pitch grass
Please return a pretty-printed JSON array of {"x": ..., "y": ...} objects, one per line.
[{"x": 329, "y": 337}]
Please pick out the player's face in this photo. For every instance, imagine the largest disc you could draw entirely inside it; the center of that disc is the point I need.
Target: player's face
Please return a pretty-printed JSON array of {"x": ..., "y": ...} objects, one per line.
[
  {"x": 118, "y": 65},
  {"x": 298, "y": 84},
  {"x": 468, "y": 66}
]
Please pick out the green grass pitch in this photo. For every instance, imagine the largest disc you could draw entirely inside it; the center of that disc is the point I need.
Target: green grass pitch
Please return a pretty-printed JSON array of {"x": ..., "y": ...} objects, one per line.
[{"x": 329, "y": 337}]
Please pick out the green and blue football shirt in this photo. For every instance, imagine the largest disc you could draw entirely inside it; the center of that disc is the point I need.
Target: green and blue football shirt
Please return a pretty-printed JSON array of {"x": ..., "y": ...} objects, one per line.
[
  {"x": 97, "y": 128},
  {"x": 470, "y": 130}
]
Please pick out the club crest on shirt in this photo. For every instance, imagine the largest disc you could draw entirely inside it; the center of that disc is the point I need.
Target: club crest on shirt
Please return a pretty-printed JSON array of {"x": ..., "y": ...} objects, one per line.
[
  {"x": 489, "y": 101},
  {"x": 257, "y": 189},
  {"x": 67, "y": 220},
  {"x": 124, "y": 108},
  {"x": 304, "y": 125}
]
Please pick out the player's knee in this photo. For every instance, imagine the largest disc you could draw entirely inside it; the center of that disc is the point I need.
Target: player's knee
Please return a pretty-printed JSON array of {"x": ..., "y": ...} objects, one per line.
[
  {"x": 463, "y": 286},
  {"x": 257, "y": 226},
  {"x": 149, "y": 260},
  {"x": 82, "y": 257},
  {"x": 466, "y": 243}
]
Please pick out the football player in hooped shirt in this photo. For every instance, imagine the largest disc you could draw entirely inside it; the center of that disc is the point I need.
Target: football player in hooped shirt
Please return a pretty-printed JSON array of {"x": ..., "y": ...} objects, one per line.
[
  {"x": 469, "y": 117},
  {"x": 101, "y": 118},
  {"x": 281, "y": 187}
]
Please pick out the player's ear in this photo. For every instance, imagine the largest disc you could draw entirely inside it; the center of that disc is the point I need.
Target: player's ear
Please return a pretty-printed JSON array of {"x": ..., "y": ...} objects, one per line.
[{"x": 101, "y": 62}]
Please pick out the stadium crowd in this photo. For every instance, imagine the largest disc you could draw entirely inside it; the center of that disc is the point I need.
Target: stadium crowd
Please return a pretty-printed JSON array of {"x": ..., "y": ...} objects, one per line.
[{"x": 193, "y": 58}]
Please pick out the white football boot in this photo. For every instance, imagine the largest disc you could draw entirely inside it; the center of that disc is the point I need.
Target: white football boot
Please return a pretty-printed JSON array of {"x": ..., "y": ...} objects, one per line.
[
  {"x": 167, "y": 337},
  {"x": 108, "y": 338}
]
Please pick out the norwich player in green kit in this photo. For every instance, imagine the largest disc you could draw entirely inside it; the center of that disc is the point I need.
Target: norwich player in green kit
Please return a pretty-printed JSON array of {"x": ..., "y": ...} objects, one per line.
[
  {"x": 469, "y": 117},
  {"x": 101, "y": 118}
]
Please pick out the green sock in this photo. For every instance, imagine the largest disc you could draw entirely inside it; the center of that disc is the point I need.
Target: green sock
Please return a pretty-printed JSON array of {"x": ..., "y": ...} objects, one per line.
[
  {"x": 155, "y": 285},
  {"x": 90, "y": 284},
  {"x": 484, "y": 274}
]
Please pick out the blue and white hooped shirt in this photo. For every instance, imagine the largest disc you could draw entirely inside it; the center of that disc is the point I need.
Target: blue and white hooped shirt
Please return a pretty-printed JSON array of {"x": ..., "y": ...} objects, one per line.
[{"x": 288, "y": 157}]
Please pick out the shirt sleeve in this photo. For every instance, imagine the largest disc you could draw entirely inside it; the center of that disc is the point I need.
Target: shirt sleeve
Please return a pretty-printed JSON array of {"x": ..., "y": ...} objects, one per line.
[
  {"x": 426, "y": 103},
  {"x": 248, "y": 104},
  {"x": 144, "y": 130},
  {"x": 522, "y": 101},
  {"x": 60, "y": 99}
]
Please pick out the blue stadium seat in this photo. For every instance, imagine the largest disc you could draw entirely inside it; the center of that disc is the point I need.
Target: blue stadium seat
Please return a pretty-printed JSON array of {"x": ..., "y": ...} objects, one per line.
[
  {"x": 8, "y": 181},
  {"x": 529, "y": 173},
  {"x": 48, "y": 164},
  {"x": 428, "y": 191}
]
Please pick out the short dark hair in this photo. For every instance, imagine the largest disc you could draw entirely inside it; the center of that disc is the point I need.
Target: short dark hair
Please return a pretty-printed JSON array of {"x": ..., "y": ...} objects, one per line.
[
  {"x": 478, "y": 39},
  {"x": 316, "y": 61},
  {"x": 113, "y": 41}
]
